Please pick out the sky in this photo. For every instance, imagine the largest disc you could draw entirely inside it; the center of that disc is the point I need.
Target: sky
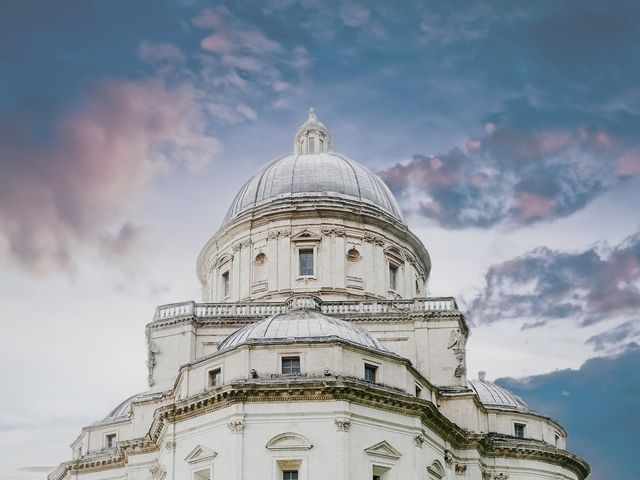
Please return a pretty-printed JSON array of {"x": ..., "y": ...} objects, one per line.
[{"x": 508, "y": 131}]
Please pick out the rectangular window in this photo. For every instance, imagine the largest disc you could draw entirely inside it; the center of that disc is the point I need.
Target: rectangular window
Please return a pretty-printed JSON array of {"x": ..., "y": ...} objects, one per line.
[
  {"x": 377, "y": 477},
  {"x": 290, "y": 475},
  {"x": 557, "y": 439},
  {"x": 290, "y": 365},
  {"x": 306, "y": 262},
  {"x": 393, "y": 276},
  {"x": 321, "y": 146},
  {"x": 225, "y": 284},
  {"x": 110, "y": 440},
  {"x": 312, "y": 148},
  {"x": 370, "y": 373},
  {"x": 418, "y": 391},
  {"x": 518, "y": 429},
  {"x": 215, "y": 377}
]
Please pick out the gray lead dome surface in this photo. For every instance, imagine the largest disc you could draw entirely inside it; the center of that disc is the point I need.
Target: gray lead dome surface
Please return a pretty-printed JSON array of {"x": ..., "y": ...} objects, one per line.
[
  {"x": 301, "y": 325},
  {"x": 326, "y": 173},
  {"x": 492, "y": 395}
]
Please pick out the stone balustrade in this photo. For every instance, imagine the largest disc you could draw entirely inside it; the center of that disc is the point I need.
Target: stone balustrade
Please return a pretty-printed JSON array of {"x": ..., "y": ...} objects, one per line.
[{"x": 337, "y": 308}]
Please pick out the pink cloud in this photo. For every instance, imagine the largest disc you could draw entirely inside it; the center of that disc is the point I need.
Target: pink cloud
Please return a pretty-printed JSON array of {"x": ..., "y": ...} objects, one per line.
[
  {"x": 473, "y": 145},
  {"x": 62, "y": 196},
  {"x": 629, "y": 164},
  {"x": 531, "y": 206}
]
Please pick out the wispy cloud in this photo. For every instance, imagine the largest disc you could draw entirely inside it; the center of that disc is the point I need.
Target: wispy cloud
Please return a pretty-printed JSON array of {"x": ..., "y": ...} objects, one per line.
[
  {"x": 58, "y": 194},
  {"x": 529, "y": 165},
  {"x": 596, "y": 285}
]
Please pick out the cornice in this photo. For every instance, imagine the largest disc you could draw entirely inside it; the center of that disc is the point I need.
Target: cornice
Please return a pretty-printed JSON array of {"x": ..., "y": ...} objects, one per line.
[{"x": 325, "y": 389}]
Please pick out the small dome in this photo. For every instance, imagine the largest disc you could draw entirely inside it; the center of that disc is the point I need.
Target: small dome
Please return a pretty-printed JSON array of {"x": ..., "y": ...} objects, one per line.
[
  {"x": 298, "y": 325},
  {"x": 123, "y": 410},
  {"x": 313, "y": 169},
  {"x": 494, "y": 396}
]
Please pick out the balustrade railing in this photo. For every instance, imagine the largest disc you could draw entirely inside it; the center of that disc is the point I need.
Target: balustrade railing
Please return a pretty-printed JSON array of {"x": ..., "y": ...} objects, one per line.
[{"x": 333, "y": 307}]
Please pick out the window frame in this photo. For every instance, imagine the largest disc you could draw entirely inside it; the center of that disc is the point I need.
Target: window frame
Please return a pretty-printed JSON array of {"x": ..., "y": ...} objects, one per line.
[
  {"x": 516, "y": 426},
  {"x": 108, "y": 435},
  {"x": 306, "y": 250},
  {"x": 393, "y": 270},
  {"x": 209, "y": 377},
  {"x": 200, "y": 469},
  {"x": 296, "y": 471},
  {"x": 290, "y": 356},
  {"x": 225, "y": 278},
  {"x": 376, "y": 371}
]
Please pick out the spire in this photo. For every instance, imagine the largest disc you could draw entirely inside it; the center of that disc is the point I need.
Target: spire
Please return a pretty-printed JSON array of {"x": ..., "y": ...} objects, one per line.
[{"x": 312, "y": 136}]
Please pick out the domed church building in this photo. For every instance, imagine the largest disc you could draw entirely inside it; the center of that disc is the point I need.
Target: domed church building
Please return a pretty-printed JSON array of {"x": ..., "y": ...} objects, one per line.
[{"x": 316, "y": 354}]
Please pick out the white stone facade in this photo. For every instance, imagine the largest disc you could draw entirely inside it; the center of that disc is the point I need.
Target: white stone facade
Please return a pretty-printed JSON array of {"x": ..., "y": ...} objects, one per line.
[{"x": 316, "y": 354}]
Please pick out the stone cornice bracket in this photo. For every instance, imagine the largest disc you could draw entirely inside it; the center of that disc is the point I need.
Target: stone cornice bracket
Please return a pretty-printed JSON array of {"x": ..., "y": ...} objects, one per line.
[
  {"x": 343, "y": 424},
  {"x": 236, "y": 426},
  {"x": 420, "y": 439},
  {"x": 460, "y": 469}
]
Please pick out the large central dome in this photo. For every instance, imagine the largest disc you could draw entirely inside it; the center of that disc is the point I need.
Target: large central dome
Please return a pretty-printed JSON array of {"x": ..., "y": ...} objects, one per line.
[{"x": 313, "y": 169}]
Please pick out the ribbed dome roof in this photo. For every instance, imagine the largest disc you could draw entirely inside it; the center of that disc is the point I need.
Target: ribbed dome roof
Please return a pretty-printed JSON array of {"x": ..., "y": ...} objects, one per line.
[
  {"x": 123, "y": 409},
  {"x": 313, "y": 169},
  {"x": 326, "y": 173},
  {"x": 493, "y": 395},
  {"x": 298, "y": 325}
]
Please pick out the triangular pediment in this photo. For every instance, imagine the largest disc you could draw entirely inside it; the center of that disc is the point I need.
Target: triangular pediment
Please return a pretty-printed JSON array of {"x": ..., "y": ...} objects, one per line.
[
  {"x": 288, "y": 441},
  {"x": 200, "y": 454},
  {"x": 383, "y": 449},
  {"x": 305, "y": 235}
]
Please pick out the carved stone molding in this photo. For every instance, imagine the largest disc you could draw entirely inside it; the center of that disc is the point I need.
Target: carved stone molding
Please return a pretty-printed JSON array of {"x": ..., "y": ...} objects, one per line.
[
  {"x": 158, "y": 472},
  {"x": 338, "y": 232},
  {"x": 375, "y": 239},
  {"x": 419, "y": 439},
  {"x": 448, "y": 459},
  {"x": 170, "y": 445},
  {"x": 486, "y": 475},
  {"x": 460, "y": 469},
  {"x": 274, "y": 234},
  {"x": 501, "y": 476},
  {"x": 343, "y": 424},
  {"x": 236, "y": 426}
]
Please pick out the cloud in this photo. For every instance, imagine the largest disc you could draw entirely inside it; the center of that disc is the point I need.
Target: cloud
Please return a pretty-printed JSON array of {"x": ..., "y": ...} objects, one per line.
[
  {"x": 239, "y": 59},
  {"x": 593, "y": 286},
  {"x": 529, "y": 165},
  {"x": 61, "y": 193},
  {"x": 597, "y": 404},
  {"x": 354, "y": 15}
]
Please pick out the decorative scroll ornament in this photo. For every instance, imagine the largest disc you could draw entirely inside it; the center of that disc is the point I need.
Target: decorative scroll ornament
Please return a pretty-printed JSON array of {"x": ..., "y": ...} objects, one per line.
[
  {"x": 457, "y": 342},
  {"x": 460, "y": 469},
  {"x": 375, "y": 239},
  {"x": 338, "y": 232},
  {"x": 236, "y": 426},
  {"x": 343, "y": 424}
]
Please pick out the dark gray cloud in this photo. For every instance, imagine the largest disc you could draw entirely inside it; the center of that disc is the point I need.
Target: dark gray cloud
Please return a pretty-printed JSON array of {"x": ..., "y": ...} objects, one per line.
[
  {"x": 598, "y": 404},
  {"x": 584, "y": 287}
]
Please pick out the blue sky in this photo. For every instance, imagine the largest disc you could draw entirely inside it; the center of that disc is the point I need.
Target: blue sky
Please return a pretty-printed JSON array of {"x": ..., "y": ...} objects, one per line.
[{"x": 507, "y": 130}]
